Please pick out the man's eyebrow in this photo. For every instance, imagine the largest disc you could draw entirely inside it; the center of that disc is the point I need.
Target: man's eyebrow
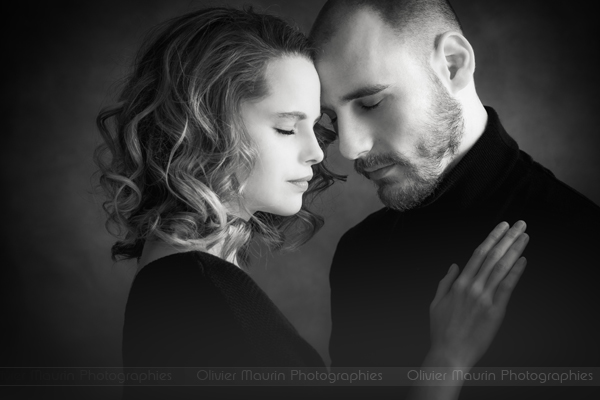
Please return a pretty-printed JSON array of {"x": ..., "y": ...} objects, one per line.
[
  {"x": 363, "y": 92},
  {"x": 297, "y": 115}
]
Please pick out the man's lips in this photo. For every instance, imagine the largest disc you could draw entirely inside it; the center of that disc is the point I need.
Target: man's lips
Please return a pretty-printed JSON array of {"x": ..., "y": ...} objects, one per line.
[
  {"x": 378, "y": 167},
  {"x": 378, "y": 172}
]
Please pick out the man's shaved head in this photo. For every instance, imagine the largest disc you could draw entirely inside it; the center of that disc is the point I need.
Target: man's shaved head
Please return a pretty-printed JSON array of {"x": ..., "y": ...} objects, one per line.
[
  {"x": 390, "y": 73},
  {"x": 416, "y": 22}
]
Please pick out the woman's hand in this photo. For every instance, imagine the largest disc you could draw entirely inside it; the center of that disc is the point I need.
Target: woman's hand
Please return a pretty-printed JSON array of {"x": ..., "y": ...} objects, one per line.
[{"x": 467, "y": 311}]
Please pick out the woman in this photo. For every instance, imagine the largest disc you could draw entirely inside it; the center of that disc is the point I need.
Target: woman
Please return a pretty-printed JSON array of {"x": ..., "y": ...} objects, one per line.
[{"x": 213, "y": 143}]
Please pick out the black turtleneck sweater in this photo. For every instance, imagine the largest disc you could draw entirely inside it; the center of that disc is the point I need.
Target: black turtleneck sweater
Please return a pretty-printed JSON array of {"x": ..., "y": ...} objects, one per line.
[{"x": 386, "y": 269}]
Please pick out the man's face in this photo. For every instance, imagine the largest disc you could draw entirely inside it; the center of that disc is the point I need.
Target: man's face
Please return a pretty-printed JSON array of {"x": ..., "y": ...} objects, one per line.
[{"x": 392, "y": 114}]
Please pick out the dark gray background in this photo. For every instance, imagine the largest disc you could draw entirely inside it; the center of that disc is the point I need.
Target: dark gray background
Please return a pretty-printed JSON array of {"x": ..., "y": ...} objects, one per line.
[{"x": 64, "y": 298}]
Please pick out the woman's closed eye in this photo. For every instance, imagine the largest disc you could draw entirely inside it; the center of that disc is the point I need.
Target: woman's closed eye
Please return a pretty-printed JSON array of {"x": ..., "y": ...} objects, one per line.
[{"x": 285, "y": 132}]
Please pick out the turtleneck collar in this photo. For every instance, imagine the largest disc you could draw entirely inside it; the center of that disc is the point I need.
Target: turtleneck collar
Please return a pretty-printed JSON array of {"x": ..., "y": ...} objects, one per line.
[{"x": 479, "y": 173}]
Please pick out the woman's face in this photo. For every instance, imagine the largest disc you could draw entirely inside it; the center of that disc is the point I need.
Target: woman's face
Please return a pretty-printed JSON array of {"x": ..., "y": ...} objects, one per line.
[{"x": 281, "y": 127}]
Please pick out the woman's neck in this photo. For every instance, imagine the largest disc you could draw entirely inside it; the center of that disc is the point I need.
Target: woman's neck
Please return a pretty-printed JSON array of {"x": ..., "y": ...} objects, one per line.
[{"x": 156, "y": 248}]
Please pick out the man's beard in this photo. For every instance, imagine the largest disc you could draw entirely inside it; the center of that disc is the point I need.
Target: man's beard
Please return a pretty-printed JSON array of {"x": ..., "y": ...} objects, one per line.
[{"x": 437, "y": 145}]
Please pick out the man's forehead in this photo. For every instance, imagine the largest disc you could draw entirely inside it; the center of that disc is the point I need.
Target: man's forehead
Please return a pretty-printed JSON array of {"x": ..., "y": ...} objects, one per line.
[
  {"x": 360, "y": 29},
  {"x": 355, "y": 35},
  {"x": 363, "y": 50}
]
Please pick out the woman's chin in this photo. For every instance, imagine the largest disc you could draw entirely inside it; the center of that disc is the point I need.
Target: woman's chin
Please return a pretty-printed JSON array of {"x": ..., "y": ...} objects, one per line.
[{"x": 286, "y": 211}]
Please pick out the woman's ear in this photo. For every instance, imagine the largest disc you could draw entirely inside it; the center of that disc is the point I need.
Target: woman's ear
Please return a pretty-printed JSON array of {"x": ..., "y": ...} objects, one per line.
[{"x": 453, "y": 60}]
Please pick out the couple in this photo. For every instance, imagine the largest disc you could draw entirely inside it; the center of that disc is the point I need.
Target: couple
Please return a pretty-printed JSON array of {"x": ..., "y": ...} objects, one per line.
[{"x": 216, "y": 139}]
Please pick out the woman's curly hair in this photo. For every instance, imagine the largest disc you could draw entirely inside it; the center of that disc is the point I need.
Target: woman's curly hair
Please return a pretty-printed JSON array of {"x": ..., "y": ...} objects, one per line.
[{"x": 174, "y": 141}]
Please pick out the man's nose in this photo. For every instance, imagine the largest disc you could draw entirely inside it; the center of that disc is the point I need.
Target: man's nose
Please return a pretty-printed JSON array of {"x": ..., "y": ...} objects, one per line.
[{"x": 354, "y": 139}]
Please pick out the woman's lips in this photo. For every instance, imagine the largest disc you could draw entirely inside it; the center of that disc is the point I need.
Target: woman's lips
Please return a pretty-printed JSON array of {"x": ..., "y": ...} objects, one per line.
[{"x": 301, "y": 184}]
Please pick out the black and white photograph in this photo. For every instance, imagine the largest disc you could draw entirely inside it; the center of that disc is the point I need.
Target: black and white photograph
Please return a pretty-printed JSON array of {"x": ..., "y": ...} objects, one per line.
[{"x": 343, "y": 199}]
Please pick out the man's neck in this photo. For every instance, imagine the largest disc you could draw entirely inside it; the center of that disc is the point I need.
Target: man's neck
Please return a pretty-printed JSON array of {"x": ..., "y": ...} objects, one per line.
[{"x": 475, "y": 119}]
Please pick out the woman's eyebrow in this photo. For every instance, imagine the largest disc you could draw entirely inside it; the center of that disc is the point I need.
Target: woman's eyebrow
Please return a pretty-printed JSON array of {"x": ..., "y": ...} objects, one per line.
[{"x": 297, "y": 115}]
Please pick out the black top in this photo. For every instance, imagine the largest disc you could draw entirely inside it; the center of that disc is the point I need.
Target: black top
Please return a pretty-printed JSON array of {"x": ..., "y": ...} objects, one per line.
[
  {"x": 386, "y": 269},
  {"x": 196, "y": 310}
]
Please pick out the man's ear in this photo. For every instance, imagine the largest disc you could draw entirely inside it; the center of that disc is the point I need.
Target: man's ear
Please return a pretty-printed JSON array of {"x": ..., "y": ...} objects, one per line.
[{"x": 453, "y": 60}]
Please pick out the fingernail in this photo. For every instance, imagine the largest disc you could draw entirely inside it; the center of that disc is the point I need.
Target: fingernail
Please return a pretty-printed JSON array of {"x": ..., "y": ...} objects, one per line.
[
  {"x": 503, "y": 225},
  {"x": 524, "y": 262},
  {"x": 525, "y": 237},
  {"x": 520, "y": 225}
]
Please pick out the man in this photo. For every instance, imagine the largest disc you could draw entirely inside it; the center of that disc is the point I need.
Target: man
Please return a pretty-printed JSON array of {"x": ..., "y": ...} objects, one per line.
[{"x": 397, "y": 82}]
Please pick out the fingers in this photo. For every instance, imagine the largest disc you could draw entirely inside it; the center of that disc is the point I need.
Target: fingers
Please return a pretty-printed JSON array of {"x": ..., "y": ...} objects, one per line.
[
  {"x": 497, "y": 253},
  {"x": 481, "y": 252},
  {"x": 508, "y": 284},
  {"x": 504, "y": 265},
  {"x": 445, "y": 283}
]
